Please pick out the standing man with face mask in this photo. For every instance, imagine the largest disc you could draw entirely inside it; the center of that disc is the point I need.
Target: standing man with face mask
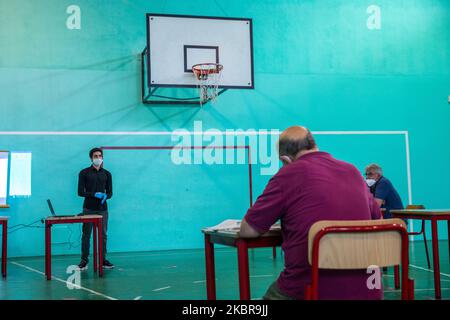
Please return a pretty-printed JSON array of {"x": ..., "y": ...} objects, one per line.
[
  {"x": 382, "y": 189},
  {"x": 95, "y": 185}
]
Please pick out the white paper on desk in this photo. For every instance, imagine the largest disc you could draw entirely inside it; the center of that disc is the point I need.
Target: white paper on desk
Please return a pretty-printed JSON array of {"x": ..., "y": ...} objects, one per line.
[
  {"x": 226, "y": 225},
  {"x": 275, "y": 226}
]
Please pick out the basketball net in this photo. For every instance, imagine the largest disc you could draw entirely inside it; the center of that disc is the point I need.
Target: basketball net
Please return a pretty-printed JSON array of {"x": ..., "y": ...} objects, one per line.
[{"x": 208, "y": 78}]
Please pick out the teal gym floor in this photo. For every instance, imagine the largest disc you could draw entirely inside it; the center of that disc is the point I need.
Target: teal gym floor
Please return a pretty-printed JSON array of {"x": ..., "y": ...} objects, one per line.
[{"x": 180, "y": 274}]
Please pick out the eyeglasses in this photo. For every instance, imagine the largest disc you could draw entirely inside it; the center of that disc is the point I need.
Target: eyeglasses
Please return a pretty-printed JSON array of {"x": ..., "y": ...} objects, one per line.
[{"x": 368, "y": 174}]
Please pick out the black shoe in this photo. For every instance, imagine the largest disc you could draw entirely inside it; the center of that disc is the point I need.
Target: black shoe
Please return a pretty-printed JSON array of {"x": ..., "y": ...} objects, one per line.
[
  {"x": 107, "y": 265},
  {"x": 83, "y": 265}
]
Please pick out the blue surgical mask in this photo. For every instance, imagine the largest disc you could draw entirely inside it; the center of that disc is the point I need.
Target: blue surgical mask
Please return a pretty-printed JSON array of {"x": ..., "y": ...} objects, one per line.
[{"x": 97, "y": 162}]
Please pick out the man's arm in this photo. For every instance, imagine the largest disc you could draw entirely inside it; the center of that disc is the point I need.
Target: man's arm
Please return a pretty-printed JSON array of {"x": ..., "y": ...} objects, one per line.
[
  {"x": 81, "y": 186},
  {"x": 247, "y": 230},
  {"x": 268, "y": 208},
  {"x": 379, "y": 202},
  {"x": 109, "y": 186},
  {"x": 381, "y": 192},
  {"x": 375, "y": 211}
]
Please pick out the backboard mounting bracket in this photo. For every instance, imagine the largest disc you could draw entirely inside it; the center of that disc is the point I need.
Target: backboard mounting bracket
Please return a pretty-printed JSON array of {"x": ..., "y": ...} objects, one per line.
[{"x": 150, "y": 97}]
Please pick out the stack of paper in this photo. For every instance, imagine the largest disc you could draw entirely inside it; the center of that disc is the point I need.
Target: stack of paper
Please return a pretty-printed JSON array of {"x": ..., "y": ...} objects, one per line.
[{"x": 229, "y": 224}]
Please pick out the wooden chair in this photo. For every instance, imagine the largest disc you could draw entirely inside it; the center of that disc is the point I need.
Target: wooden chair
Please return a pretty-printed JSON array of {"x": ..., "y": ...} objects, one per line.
[
  {"x": 358, "y": 245},
  {"x": 422, "y": 231}
]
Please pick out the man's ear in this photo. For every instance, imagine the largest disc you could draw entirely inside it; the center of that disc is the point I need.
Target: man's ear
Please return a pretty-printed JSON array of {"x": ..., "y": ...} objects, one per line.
[{"x": 286, "y": 159}]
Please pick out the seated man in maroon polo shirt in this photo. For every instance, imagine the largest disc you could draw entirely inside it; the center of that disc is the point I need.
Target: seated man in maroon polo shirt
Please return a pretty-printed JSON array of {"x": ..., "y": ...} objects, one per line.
[{"x": 311, "y": 186}]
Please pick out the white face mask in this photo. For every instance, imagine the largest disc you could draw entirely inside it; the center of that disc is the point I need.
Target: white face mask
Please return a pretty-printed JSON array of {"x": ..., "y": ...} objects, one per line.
[
  {"x": 97, "y": 162},
  {"x": 370, "y": 182}
]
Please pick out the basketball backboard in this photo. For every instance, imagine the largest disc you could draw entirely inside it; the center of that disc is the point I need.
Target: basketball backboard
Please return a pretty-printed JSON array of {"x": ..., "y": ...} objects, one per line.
[{"x": 177, "y": 42}]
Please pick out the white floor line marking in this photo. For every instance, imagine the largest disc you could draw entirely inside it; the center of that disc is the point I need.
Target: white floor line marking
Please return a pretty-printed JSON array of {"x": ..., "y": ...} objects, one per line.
[
  {"x": 262, "y": 276},
  {"x": 200, "y": 281},
  {"x": 63, "y": 281},
  {"x": 138, "y": 298},
  {"x": 420, "y": 268},
  {"x": 163, "y": 288}
]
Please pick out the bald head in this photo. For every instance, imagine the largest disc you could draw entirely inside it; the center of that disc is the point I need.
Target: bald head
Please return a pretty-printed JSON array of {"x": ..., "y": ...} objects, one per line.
[
  {"x": 294, "y": 141},
  {"x": 294, "y": 133}
]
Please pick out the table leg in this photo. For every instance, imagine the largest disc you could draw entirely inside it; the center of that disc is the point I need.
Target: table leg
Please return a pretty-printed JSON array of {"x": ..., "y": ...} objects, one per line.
[
  {"x": 4, "y": 246},
  {"x": 48, "y": 248},
  {"x": 210, "y": 269},
  {"x": 100, "y": 247},
  {"x": 448, "y": 237},
  {"x": 94, "y": 232},
  {"x": 244, "y": 276},
  {"x": 426, "y": 244},
  {"x": 436, "y": 269},
  {"x": 397, "y": 277}
]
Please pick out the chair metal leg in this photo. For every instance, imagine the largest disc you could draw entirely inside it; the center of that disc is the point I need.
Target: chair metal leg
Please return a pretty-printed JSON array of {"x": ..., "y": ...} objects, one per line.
[
  {"x": 410, "y": 289},
  {"x": 397, "y": 277},
  {"x": 307, "y": 292}
]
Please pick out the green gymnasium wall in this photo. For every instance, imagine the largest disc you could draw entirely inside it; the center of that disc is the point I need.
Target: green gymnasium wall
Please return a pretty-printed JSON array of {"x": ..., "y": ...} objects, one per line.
[{"x": 316, "y": 63}]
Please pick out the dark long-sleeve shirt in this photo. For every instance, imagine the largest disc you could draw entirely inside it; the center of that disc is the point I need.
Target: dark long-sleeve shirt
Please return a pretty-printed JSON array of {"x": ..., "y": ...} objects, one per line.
[
  {"x": 384, "y": 190},
  {"x": 90, "y": 181}
]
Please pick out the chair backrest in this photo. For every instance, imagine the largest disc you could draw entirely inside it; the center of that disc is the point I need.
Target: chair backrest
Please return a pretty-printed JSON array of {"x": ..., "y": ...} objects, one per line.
[
  {"x": 415, "y": 206},
  {"x": 357, "y": 250}
]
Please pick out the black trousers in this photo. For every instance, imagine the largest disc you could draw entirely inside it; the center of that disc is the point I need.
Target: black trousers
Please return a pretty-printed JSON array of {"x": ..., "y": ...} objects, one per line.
[{"x": 87, "y": 230}]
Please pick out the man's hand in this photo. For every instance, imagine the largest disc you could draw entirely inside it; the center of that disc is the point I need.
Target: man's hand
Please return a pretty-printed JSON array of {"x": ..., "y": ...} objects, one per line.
[
  {"x": 104, "y": 198},
  {"x": 247, "y": 230},
  {"x": 99, "y": 195}
]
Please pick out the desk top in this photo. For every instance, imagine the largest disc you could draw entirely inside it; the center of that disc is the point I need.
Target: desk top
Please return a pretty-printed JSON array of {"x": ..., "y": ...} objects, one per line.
[
  {"x": 4, "y": 206},
  {"x": 275, "y": 230},
  {"x": 86, "y": 216},
  {"x": 421, "y": 212},
  {"x": 4, "y": 218}
]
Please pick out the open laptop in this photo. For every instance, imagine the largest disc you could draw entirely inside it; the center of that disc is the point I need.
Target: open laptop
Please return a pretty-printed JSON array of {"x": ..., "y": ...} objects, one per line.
[{"x": 58, "y": 215}]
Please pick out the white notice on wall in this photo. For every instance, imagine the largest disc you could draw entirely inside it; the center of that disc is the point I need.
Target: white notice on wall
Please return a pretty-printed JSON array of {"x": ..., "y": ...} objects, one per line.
[
  {"x": 3, "y": 176},
  {"x": 20, "y": 175}
]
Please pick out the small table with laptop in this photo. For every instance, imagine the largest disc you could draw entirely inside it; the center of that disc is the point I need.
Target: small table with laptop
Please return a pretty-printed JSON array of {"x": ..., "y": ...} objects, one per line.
[{"x": 95, "y": 219}]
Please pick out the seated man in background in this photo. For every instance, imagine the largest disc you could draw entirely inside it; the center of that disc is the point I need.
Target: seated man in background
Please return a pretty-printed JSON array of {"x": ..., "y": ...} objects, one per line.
[
  {"x": 311, "y": 186},
  {"x": 382, "y": 189}
]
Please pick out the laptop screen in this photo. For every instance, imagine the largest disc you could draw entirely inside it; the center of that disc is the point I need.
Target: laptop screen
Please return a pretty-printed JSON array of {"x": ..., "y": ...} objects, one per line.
[{"x": 50, "y": 206}]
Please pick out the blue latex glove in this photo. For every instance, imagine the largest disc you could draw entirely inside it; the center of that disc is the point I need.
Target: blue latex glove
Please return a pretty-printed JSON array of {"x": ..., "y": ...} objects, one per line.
[
  {"x": 104, "y": 198},
  {"x": 99, "y": 195}
]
